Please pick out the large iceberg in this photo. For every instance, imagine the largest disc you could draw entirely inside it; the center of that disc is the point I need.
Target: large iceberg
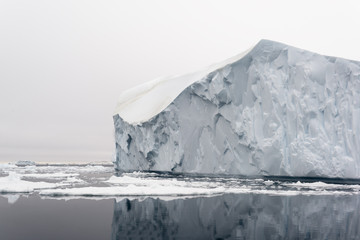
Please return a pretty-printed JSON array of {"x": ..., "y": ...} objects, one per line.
[{"x": 273, "y": 110}]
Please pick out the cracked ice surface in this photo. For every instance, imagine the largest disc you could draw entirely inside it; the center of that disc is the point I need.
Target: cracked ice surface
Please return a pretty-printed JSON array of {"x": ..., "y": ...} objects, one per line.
[{"x": 277, "y": 110}]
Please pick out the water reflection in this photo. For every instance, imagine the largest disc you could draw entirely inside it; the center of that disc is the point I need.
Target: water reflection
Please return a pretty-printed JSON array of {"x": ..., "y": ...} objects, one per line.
[{"x": 239, "y": 216}]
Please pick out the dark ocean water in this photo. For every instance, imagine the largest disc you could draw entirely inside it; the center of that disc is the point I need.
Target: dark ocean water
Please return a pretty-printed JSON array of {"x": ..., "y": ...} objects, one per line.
[
  {"x": 230, "y": 216},
  {"x": 35, "y": 218}
]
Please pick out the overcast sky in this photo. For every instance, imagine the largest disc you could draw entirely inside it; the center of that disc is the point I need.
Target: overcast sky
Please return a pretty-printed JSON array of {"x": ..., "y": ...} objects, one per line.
[{"x": 64, "y": 63}]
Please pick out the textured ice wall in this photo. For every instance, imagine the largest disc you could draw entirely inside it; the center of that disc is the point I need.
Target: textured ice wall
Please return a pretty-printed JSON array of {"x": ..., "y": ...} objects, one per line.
[{"x": 278, "y": 110}]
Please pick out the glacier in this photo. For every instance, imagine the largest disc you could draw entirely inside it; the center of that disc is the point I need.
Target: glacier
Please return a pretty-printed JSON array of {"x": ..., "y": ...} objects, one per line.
[{"x": 273, "y": 110}]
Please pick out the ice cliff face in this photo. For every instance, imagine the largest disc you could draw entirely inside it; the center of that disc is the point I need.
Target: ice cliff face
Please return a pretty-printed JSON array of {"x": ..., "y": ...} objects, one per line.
[{"x": 277, "y": 110}]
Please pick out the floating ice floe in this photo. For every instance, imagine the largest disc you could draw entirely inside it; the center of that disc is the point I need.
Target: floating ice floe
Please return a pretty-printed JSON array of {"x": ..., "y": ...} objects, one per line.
[
  {"x": 156, "y": 185},
  {"x": 14, "y": 184},
  {"x": 60, "y": 182}
]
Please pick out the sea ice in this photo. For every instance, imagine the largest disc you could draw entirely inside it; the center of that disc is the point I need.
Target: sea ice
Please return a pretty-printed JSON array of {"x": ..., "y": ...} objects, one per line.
[
  {"x": 145, "y": 185},
  {"x": 14, "y": 184},
  {"x": 74, "y": 182}
]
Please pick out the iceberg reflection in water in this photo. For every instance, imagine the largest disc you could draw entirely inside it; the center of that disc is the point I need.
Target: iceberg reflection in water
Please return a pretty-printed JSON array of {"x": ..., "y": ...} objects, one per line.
[{"x": 239, "y": 216}]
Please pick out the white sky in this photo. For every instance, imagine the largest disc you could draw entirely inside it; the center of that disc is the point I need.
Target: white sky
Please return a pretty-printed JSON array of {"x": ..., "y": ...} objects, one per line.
[{"x": 64, "y": 63}]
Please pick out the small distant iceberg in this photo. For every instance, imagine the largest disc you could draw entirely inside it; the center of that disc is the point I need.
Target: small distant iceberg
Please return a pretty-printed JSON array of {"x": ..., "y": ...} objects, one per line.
[{"x": 25, "y": 163}]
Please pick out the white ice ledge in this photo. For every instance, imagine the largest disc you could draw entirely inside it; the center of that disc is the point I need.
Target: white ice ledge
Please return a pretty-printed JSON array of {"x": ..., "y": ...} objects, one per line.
[{"x": 145, "y": 101}]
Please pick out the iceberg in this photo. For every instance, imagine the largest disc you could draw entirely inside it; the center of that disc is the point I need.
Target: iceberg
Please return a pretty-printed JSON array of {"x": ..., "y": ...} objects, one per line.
[
  {"x": 24, "y": 163},
  {"x": 272, "y": 110}
]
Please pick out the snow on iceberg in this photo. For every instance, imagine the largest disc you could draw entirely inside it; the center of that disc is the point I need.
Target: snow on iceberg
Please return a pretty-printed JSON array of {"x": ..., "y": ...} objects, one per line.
[{"x": 274, "y": 110}]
